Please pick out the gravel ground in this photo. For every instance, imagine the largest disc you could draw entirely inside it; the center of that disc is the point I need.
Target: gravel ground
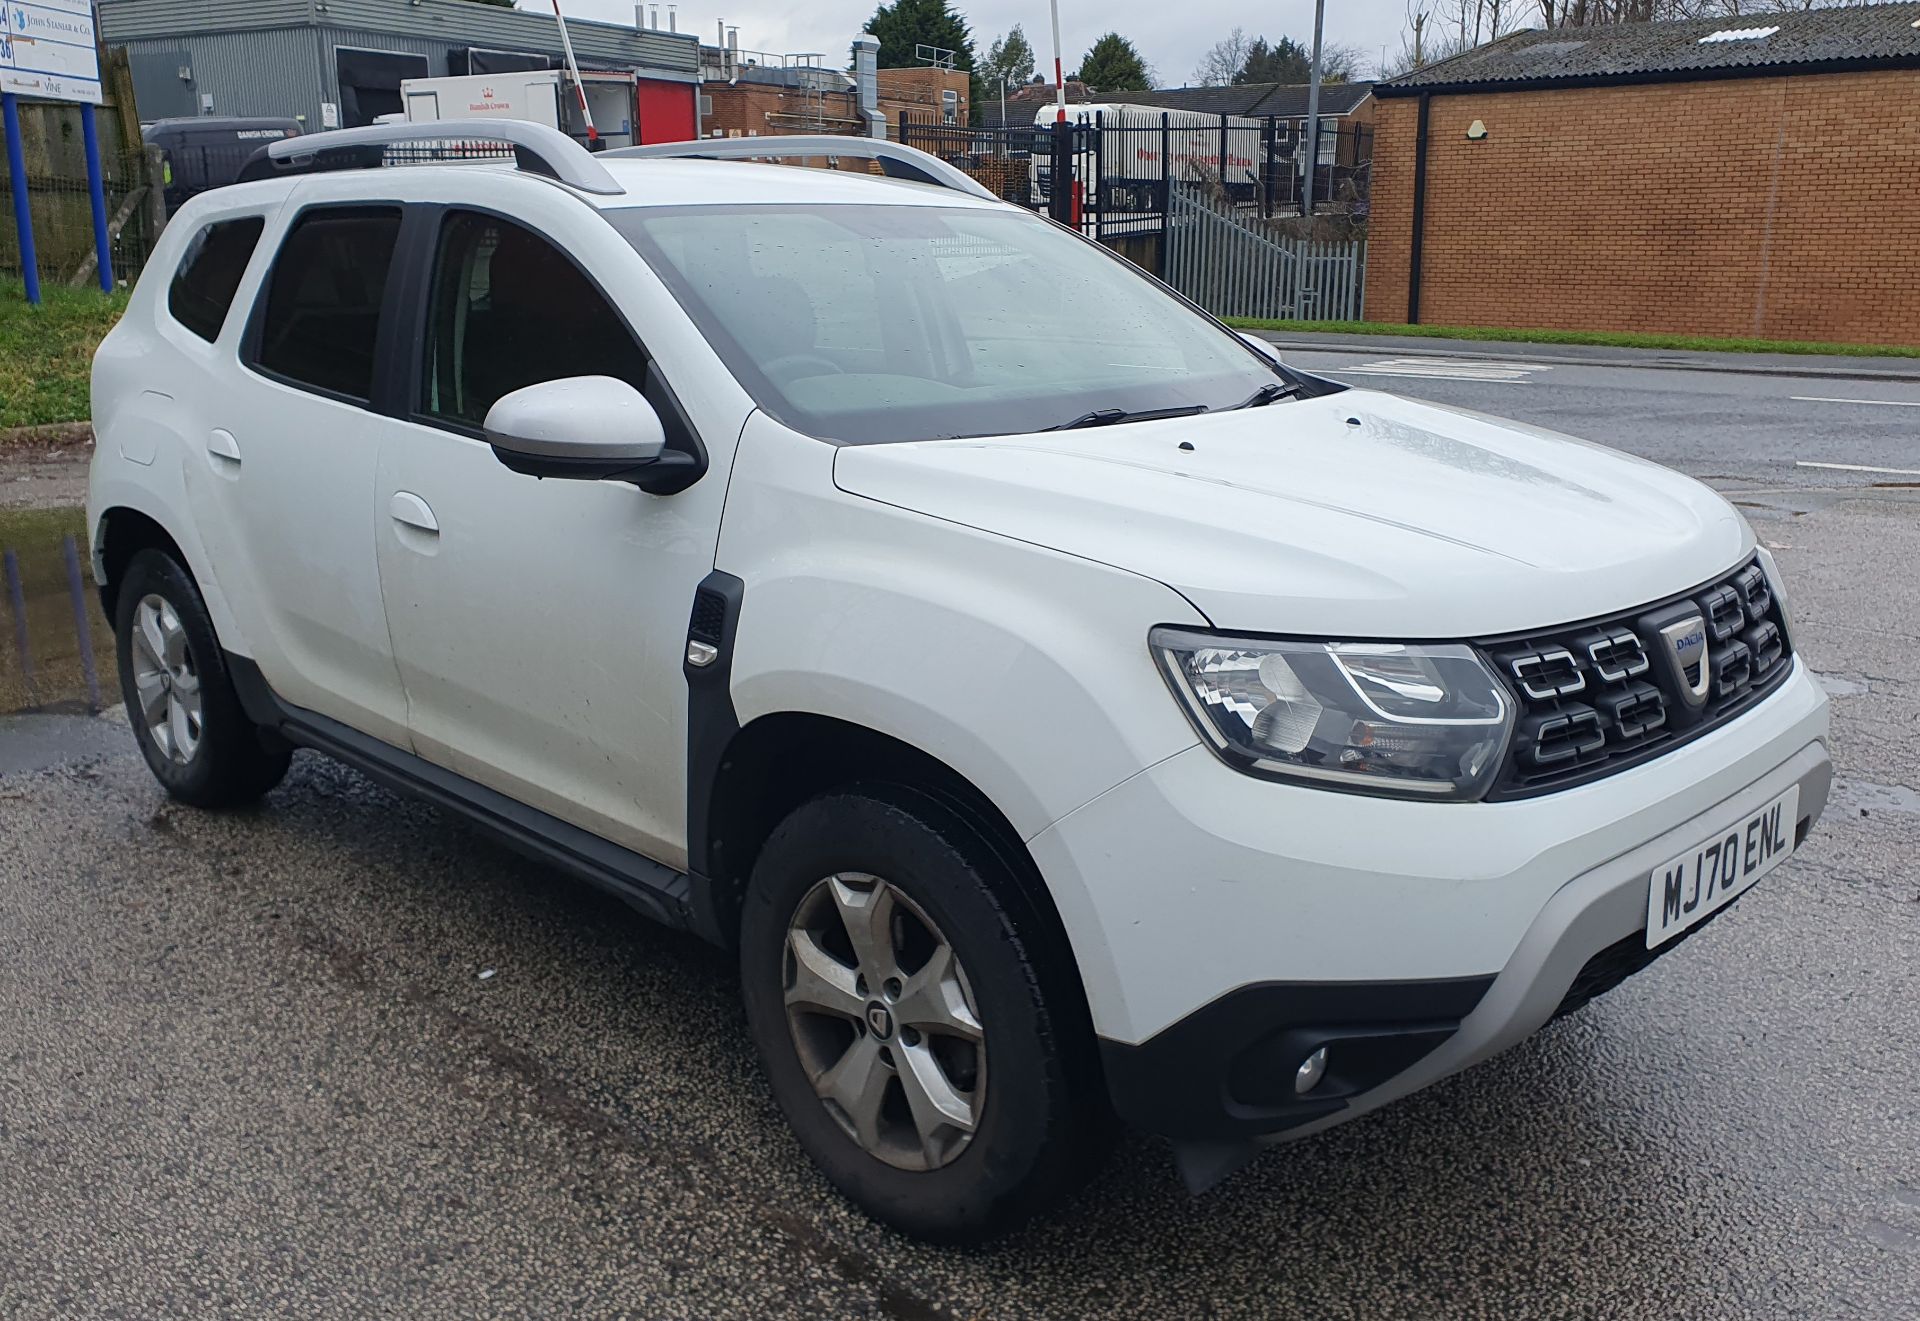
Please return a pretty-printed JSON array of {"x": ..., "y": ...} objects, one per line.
[{"x": 344, "y": 1056}]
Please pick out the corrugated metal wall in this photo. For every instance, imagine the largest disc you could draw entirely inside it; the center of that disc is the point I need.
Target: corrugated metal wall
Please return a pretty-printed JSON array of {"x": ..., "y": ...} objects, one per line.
[
  {"x": 124, "y": 20},
  {"x": 279, "y": 72},
  {"x": 451, "y": 23}
]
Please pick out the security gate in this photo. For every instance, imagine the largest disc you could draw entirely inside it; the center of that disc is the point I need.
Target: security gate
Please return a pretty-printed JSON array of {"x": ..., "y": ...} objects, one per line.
[{"x": 1235, "y": 266}]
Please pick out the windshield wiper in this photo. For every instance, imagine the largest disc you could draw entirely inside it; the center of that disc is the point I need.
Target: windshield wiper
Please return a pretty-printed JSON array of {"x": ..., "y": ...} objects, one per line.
[
  {"x": 1106, "y": 417},
  {"x": 1268, "y": 394}
]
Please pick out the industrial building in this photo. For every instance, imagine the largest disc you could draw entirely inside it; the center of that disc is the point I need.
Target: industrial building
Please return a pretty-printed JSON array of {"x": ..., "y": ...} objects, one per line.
[{"x": 339, "y": 63}]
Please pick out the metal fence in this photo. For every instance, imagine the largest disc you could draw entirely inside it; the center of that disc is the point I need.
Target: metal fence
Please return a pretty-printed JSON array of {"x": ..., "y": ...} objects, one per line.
[
  {"x": 1123, "y": 164},
  {"x": 62, "y": 207},
  {"x": 1237, "y": 265}
]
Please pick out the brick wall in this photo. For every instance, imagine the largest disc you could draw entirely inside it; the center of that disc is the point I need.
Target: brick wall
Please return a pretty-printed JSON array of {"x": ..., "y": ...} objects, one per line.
[
  {"x": 916, "y": 92},
  {"x": 1787, "y": 208},
  {"x": 746, "y": 109}
]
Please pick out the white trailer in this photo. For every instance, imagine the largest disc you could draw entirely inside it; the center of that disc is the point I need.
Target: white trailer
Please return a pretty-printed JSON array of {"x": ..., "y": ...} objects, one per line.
[
  {"x": 1126, "y": 173},
  {"x": 542, "y": 96}
]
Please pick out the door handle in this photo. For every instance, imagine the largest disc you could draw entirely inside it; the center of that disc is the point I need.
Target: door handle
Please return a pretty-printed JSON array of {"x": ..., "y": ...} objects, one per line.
[
  {"x": 222, "y": 445},
  {"x": 410, "y": 510}
]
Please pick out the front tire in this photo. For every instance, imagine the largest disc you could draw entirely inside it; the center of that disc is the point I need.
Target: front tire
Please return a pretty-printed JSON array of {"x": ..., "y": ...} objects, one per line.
[
  {"x": 180, "y": 700},
  {"x": 919, "y": 1024}
]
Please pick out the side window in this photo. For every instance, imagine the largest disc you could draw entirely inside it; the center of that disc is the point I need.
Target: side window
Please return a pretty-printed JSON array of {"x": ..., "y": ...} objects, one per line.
[
  {"x": 209, "y": 273},
  {"x": 322, "y": 310},
  {"x": 509, "y": 310}
]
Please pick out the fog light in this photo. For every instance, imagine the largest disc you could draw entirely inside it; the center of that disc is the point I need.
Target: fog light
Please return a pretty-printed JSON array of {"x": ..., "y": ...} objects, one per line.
[{"x": 1312, "y": 1069}]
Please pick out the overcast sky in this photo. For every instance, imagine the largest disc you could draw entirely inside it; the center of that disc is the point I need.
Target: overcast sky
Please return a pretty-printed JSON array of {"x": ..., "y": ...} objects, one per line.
[{"x": 1172, "y": 34}]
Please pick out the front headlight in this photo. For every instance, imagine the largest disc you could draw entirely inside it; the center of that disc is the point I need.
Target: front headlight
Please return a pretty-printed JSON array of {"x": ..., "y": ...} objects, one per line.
[{"x": 1412, "y": 719}]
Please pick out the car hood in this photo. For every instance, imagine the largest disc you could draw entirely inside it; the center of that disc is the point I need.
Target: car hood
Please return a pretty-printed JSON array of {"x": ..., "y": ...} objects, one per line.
[{"x": 1356, "y": 514}]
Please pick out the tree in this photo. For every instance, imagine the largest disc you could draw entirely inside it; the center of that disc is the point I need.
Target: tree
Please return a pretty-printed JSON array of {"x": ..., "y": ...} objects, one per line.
[
  {"x": 1223, "y": 60},
  {"x": 1112, "y": 64},
  {"x": 1009, "y": 57},
  {"x": 1286, "y": 61},
  {"x": 1007, "y": 65},
  {"x": 906, "y": 24}
]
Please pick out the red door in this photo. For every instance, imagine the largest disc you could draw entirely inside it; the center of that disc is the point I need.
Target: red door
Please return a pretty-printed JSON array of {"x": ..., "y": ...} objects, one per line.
[{"x": 666, "y": 111}]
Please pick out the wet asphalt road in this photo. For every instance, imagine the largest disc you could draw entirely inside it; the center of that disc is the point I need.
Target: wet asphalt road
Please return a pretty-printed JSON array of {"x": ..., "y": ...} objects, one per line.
[{"x": 250, "y": 1064}]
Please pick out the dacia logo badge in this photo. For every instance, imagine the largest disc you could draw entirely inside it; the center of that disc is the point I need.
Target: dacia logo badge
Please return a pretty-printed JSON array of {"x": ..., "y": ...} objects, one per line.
[{"x": 1687, "y": 643}]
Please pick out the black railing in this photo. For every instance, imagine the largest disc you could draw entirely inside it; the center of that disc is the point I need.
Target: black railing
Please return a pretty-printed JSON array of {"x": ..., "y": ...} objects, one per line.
[{"x": 1120, "y": 165}]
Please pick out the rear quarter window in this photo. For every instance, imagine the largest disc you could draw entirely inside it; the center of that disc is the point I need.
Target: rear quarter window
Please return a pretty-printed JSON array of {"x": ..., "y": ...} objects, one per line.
[{"x": 209, "y": 273}]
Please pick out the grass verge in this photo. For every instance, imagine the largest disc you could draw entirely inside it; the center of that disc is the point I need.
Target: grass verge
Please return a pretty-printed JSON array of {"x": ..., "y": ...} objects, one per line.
[
  {"x": 46, "y": 352},
  {"x": 1607, "y": 339}
]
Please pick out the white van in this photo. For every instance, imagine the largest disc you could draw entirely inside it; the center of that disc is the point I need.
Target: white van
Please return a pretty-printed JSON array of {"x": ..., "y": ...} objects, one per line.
[
  {"x": 540, "y": 96},
  {"x": 1127, "y": 173}
]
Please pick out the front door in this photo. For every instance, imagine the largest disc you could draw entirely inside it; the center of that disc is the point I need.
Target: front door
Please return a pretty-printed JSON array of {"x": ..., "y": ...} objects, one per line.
[{"x": 540, "y": 625}]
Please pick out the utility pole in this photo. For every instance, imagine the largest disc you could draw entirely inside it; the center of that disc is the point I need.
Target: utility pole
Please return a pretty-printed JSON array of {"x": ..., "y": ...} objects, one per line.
[{"x": 1313, "y": 111}]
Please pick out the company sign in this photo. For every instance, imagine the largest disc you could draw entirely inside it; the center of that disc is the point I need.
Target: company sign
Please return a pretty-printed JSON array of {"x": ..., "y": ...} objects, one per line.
[{"x": 48, "y": 48}]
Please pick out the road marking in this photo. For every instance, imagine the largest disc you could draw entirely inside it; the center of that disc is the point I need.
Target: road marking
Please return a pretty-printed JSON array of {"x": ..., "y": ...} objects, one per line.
[
  {"x": 1446, "y": 369},
  {"x": 1825, "y": 399},
  {"x": 1857, "y": 467}
]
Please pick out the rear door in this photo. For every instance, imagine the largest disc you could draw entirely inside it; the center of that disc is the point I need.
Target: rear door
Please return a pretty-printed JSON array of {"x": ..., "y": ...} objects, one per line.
[{"x": 293, "y": 443}]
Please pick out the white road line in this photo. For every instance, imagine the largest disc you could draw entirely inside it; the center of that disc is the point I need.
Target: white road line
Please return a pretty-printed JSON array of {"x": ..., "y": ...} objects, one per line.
[
  {"x": 1857, "y": 467},
  {"x": 1825, "y": 399},
  {"x": 1446, "y": 369}
]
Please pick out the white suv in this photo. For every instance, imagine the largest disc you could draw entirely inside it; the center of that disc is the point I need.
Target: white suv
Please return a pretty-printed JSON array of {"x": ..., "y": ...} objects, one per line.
[{"x": 1063, "y": 708}]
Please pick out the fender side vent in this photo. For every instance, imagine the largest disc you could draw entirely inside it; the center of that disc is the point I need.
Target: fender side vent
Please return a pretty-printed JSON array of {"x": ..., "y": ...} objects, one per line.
[{"x": 709, "y": 616}]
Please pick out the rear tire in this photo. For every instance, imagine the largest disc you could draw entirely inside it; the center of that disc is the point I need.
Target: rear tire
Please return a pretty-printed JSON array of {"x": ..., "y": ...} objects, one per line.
[
  {"x": 968, "y": 956},
  {"x": 180, "y": 699}
]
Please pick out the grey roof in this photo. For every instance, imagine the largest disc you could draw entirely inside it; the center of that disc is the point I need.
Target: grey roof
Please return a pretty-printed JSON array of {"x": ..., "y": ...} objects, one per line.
[
  {"x": 1828, "y": 39},
  {"x": 1283, "y": 100},
  {"x": 456, "y": 22}
]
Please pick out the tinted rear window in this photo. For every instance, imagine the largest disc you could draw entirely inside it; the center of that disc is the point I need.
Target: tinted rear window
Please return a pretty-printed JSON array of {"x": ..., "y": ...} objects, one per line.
[
  {"x": 210, "y": 272},
  {"x": 323, "y": 299}
]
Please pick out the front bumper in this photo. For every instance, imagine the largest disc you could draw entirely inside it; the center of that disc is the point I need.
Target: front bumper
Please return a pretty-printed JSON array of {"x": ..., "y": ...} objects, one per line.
[{"x": 1226, "y": 926}]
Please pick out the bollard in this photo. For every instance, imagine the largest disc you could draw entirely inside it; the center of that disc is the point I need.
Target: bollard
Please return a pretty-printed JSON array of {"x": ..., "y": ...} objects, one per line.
[
  {"x": 17, "y": 600},
  {"x": 82, "y": 626}
]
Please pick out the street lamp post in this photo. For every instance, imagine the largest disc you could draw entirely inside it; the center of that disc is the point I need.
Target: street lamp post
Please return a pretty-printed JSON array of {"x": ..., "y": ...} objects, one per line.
[{"x": 1313, "y": 112}]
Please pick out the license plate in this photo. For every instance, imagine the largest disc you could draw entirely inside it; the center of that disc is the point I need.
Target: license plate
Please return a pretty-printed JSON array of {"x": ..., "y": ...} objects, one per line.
[{"x": 1713, "y": 874}]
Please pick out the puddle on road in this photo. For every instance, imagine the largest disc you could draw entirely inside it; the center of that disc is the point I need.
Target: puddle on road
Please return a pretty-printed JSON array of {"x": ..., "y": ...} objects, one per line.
[{"x": 50, "y": 675}]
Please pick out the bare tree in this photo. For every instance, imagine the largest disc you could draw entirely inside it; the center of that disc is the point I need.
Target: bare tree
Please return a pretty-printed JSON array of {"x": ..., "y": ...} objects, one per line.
[
  {"x": 1438, "y": 29},
  {"x": 1604, "y": 13},
  {"x": 1223, "y": 60}
]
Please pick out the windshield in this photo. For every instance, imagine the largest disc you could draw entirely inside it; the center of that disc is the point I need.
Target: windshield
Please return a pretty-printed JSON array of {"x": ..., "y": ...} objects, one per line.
[{"x": 878, "y": 323}]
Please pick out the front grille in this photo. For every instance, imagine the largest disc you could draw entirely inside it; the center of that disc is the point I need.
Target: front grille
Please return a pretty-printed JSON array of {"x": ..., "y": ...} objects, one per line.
[{"x": 1597, "y": 697}]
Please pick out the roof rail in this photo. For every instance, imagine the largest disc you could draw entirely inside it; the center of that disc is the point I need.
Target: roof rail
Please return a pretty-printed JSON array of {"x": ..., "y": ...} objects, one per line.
[
  {"x": 537, "y": 149},
  {"x": 897, "y": 160}
]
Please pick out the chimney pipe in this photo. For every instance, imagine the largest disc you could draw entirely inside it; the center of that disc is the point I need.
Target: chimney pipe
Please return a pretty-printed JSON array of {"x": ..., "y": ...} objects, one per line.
[
  {"x": 866, "y": 82},
  {"x": 733, "y": 39}
]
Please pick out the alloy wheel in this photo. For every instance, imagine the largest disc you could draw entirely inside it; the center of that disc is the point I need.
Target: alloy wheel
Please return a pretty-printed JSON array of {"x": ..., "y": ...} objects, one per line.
[
  {"x": 884, "y": 1021},
  {"x": 165, "y": 680}
]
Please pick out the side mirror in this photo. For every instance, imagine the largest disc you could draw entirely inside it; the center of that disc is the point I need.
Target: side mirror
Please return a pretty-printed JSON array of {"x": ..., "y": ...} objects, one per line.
[
  {"x": 588, "y": 428},
  {"x": 1260, "y": 346}
]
